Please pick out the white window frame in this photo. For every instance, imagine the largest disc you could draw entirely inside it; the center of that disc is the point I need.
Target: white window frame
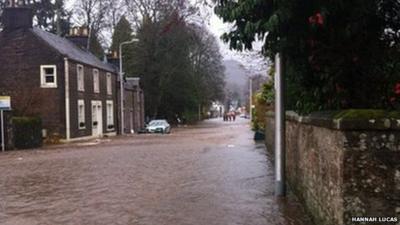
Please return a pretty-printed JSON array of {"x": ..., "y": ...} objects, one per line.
[
  {"x": 110, "y": 115},
  {"x": 80, "y": 77},
  {"x": 43, "y": 82},
  {"x": 96, "y": 81},
  {"x": 109, "y": 84},
  {"x": 81, "y": 118}
]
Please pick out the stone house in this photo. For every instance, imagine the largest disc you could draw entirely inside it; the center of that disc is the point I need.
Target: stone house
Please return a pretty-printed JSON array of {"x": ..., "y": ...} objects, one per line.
[
  {"x": 72, "y": 91},
  {"x": 134, "y": 106}
]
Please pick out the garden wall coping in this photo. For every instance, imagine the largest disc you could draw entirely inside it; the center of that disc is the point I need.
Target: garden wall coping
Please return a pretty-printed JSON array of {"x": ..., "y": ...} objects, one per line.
[{"x": 348, "y": 120}]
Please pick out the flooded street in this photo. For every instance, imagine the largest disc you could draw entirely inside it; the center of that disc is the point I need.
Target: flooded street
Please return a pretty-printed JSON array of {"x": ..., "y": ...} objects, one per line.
[{"x": 210, "y": 174}]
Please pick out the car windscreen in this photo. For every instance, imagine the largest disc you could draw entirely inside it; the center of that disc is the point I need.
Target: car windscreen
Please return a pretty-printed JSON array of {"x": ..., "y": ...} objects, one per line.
[{"x": 152, "y": 123}]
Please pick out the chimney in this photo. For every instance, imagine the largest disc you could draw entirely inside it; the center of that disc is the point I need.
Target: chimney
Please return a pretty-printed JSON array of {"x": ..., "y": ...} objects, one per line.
[
  {"x": 113, "y": 58},
  {"x": 17, "y": 15},
  {"x": 135, "y": 81},
  {"x": 79, "y": 36}
]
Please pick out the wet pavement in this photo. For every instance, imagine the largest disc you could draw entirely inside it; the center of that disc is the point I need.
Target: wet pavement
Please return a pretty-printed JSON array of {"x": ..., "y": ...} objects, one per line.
[{"x": 209, "y": 174}]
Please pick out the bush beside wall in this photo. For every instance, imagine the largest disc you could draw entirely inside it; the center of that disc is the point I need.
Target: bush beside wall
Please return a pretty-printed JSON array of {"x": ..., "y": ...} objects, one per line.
[{"x": 27, "y": 132}]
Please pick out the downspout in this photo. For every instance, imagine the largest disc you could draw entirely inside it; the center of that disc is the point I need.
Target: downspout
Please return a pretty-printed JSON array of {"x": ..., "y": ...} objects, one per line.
[{"x": 67, "y": 102}]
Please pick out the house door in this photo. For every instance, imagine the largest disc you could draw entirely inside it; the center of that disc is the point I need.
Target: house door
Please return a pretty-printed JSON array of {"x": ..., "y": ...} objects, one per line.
[{"x": 97, "y": 119}]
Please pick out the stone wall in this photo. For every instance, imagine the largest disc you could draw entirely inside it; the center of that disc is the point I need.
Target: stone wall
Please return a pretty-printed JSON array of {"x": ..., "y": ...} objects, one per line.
[
  {"x": 21, "y": 56},
  {"x": 343, "y": 168}
]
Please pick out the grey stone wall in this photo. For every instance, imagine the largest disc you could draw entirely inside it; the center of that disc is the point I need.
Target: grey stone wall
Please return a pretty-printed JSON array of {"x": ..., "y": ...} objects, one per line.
[{"x": 342, "y": 168}]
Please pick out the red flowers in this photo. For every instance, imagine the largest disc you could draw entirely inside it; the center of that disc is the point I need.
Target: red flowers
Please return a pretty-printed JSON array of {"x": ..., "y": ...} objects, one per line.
[
  {"x": 397, "y": 89},
  {"x": 316, "y": 19},
  {"x": 394, "y": 99}
]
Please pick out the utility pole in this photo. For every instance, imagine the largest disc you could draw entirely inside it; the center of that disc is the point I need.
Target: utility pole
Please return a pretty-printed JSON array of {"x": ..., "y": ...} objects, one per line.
[{"x": 280, "y": 180}]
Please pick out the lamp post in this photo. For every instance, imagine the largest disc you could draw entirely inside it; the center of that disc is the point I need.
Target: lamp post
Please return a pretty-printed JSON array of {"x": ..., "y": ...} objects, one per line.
[
  {"x": 121, "y": 82},
  {"x": 251, "y": 98},
  {"x": 280, "y": 188}
]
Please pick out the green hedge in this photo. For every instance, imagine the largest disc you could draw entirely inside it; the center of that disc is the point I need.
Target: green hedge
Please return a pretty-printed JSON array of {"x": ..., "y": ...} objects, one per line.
[{"x": 27, "y": 132}]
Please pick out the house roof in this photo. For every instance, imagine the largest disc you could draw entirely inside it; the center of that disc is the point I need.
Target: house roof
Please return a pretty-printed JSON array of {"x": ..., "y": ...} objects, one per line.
[{"x": 72, "y": 51}]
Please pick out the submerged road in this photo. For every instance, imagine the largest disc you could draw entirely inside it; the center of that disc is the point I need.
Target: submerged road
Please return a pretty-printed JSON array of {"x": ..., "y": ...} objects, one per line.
[{"x": 209, "y": 174}]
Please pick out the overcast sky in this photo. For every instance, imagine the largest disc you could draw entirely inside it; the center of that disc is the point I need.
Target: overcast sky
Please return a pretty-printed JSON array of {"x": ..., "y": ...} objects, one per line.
[{"x": 251, "y": 60}]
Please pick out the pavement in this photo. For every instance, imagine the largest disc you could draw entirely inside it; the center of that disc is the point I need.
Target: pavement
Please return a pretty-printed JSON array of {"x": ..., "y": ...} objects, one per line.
[{"x": 209, "y": 174}]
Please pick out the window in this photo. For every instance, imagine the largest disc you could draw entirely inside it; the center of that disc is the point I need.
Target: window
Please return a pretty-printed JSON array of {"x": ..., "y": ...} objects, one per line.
[
  {"x": 109, "y": 84},
  {"x": 81, "y": 114},
  {"x": 81, "y": 78},
  {"x": 96, "y": 81},
  {"x": 48, "y": 76},
  {"x": 110, "y": 115}
]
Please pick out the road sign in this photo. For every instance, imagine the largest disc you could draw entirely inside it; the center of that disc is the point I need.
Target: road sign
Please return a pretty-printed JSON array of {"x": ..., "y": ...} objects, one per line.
[{"x": 5, "y": 103}]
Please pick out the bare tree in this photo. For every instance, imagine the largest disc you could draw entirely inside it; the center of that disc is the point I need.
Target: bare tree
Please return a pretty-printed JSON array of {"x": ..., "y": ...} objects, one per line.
[
  {"x": 93, "y": 14},
  {"x": 156, "y": 10}
]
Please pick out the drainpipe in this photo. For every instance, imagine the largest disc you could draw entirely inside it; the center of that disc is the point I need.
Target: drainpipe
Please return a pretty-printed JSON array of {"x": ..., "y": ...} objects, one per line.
[
  {"x": 67, "y": 101},
  {"x": 121, "y": 92}
]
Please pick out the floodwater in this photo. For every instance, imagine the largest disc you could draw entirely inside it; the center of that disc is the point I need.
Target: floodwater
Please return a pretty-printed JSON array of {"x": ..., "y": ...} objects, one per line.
[{"x": 209, "y": 174}]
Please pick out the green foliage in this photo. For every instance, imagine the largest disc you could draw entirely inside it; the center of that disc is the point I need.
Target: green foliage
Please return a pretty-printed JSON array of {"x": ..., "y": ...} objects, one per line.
[
  {"x": 190, "y": 116},
  {"x": 259, "y": 111},
  {"x": 122, "y": 32},
  {"x": 27, "y": 132},
  {"x": 268, "y": 93},
  {"x": 337, "y": 54},
  {"x": 95, "y": 47}
]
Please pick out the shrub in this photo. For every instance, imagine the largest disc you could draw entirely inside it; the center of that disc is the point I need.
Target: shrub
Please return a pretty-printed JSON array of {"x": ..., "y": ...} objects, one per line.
[
  {"x": 263, "y": 101},
  {"x": 27, "y": 132},
  {"x": 268, "y": 93},
  {"x": 190, "y": 117}
]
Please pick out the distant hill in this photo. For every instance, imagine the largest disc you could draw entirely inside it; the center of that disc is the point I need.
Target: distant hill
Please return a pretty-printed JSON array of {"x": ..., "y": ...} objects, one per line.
[
  {"x": 235, "y": 73},
  {"x": 236, "y": 80}
]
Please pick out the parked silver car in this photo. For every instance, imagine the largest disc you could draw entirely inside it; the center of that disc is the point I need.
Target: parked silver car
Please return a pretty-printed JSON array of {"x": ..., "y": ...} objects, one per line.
[{"x": 158, "y": 126}]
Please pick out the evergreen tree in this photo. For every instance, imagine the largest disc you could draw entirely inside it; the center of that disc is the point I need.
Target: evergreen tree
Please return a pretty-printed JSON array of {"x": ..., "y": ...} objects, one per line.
[
  {"x": 123, "y": 32},
  {"x": 95, "y": 46}
]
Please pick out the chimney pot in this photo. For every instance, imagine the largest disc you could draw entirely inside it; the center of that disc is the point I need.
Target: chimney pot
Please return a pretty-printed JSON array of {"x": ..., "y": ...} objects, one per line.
[
  {"x": 79, "y": 36},
  {"x": 113, "y": 58}
]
